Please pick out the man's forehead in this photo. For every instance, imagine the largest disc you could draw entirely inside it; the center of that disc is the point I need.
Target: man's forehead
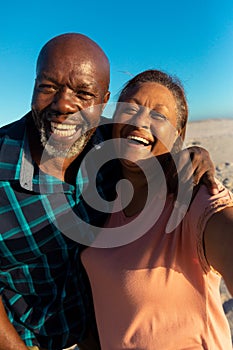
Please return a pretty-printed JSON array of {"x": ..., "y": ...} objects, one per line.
[
  {"x": 62, "y": 66},
  {"x": 75, "y": 63}
]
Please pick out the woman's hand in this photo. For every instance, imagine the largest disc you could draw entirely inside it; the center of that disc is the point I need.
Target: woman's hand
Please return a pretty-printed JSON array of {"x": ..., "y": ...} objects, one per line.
[
  {"x": 190, "y": 167},
  {"x": 203, "y": 168}
]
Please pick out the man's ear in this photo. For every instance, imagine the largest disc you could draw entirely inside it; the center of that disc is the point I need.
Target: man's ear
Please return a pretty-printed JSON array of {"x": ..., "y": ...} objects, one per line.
[
  {"x": 105, "y": 100},
  {"x": 106, "y": 97}
]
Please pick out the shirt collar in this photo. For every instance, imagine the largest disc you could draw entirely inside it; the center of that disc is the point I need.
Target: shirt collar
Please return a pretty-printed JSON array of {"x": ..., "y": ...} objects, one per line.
[
  {"x": 26, "y": 168},
  {"x": 16, "y": 162}
]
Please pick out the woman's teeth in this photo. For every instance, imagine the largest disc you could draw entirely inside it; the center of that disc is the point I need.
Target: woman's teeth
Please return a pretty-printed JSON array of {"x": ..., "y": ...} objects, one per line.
[
  {"x": 62, "y": 129},
  {"x": 139, "y": 140}
]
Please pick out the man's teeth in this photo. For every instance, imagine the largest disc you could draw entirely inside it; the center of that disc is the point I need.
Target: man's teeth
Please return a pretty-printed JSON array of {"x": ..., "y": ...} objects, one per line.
[
  {"x": 62, "y": 129},
  {"x": 138, "y": 139}
]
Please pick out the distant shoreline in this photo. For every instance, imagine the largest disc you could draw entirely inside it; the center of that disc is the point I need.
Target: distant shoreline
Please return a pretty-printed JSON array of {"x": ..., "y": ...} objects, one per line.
[{"x": 211, "y": 118}]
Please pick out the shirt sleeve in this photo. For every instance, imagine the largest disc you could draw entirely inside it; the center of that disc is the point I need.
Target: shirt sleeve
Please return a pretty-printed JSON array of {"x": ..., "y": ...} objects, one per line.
[{"x": 202, "y": 208}]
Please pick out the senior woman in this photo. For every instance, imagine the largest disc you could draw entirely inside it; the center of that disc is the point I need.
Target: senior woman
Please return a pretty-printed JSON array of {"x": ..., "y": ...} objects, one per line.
[{"x": 160, "y": 290}]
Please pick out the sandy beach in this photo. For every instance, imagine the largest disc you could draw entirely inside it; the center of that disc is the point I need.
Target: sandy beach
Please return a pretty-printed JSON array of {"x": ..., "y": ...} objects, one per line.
[{"x": 216, "y": 135}]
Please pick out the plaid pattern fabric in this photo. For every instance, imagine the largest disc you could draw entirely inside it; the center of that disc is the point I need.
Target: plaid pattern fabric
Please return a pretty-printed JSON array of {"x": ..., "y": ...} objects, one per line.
[{"x": 42, "y": 283}]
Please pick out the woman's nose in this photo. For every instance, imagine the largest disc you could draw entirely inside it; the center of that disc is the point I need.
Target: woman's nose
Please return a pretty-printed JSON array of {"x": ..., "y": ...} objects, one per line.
[
  {"x": 64, "y": 102},
  {"x": 142, "y": 119}
]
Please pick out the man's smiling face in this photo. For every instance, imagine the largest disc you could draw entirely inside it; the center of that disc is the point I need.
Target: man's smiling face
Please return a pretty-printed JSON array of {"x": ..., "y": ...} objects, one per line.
[{"x": 69, "y": 95}]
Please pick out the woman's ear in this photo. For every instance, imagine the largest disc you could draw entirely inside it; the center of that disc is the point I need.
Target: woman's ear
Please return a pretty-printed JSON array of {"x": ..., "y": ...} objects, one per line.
[
  {"x": 178, "y": 144},
  {"x": 182, "y": 132}
]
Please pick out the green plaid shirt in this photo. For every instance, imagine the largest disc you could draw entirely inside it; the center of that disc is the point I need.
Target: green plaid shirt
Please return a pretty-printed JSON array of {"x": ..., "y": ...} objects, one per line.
[{"x": 42, "y": 283}]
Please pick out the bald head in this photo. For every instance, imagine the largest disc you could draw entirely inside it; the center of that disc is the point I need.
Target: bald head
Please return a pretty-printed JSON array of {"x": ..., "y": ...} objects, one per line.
[{"x": 76, "y": 49}]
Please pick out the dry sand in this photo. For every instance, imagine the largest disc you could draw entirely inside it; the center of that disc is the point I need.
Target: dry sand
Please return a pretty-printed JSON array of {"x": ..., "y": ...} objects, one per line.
[{"x": 216, "y": 135}]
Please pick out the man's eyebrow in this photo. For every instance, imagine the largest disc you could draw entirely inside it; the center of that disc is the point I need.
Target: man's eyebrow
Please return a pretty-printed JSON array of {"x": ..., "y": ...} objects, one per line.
[
  {"x": 47, "y": 77},
  {"x": 86, "y": 85}
]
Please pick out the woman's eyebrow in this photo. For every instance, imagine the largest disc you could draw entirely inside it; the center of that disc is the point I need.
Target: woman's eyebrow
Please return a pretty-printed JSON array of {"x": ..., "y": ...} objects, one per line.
[{"x": 135, "y": 100}]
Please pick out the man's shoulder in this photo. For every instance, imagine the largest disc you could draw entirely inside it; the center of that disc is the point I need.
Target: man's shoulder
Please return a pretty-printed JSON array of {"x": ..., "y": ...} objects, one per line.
[
  {"x": 14, "y": 130},
  {"x": 5, "y": 128},
  {"x": 102, "y": 133},
  {"x": 105, "y": 128}
]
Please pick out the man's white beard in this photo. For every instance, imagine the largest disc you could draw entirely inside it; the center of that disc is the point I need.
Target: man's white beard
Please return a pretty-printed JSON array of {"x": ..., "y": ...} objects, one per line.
[{"x": 55, "y": 150}]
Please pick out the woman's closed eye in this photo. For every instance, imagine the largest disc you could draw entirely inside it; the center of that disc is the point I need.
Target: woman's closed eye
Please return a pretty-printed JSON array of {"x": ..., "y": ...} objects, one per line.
[
  {"x": 158, "y": 116},
  {"x": 130, "y": 110}
]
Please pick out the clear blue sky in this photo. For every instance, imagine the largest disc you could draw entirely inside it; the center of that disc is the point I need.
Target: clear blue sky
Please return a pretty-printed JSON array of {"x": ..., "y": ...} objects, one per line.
[{"x": 192, "y": 39}]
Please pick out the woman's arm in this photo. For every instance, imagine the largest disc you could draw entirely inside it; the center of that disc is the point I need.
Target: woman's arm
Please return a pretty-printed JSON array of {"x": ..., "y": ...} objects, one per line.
[
  {"x": 218, "y": 242},
  {"x": 9, "y": 338}
]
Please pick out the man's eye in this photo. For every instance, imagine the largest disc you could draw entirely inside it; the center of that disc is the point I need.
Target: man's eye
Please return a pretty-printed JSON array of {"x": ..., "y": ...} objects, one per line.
[
  {"x": 158, "y": 116},
  {"x": 85, "y": 95},
  {"x": 46, "y": 88}
]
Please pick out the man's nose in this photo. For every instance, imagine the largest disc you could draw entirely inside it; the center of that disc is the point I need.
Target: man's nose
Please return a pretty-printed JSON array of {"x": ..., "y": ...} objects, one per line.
[{"x": 65, "y": 102}]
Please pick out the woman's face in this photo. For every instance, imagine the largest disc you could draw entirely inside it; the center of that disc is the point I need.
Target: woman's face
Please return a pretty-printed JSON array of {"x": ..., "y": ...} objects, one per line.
[{"x": 146, "y": 120}]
